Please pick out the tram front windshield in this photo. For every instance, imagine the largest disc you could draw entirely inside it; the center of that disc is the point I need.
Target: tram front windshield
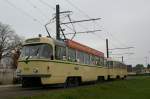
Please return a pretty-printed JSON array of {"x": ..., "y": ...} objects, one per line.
[{"x": 37, "y": 51}]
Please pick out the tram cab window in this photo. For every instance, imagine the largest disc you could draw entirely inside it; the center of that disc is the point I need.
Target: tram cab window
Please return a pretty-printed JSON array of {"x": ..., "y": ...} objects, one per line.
[{"x": 36, "y": 51}]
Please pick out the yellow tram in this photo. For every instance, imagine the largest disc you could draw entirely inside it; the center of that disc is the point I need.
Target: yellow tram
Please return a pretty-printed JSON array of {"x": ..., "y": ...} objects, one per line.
[{"x": 45, "y": 60}]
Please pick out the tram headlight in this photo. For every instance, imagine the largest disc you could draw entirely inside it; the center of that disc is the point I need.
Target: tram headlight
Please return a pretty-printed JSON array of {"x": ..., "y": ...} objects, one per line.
[{"x": 35, "y": 70}]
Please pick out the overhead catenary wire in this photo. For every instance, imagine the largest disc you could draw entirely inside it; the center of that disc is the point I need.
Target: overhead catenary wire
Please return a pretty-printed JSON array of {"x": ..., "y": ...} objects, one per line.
[
  {"x": 37, "y": 8},
  {"x": 73, "y": 5},
  {"x": 84, "y": 32},
  {"x": 77, "y": 8},
  {"x": 111, "y": 39},
  {"x": 112, "y": 36},
  {"x": 82, "y": 12},
  {"x": 32, "y": 17},
  {"x": 123, "y": 54},
  {"x": 22, "y": 11},
  {"x": 86, "y": 15},
  {"x": 93, "y": 19},
  {"x": 121, "y": 48},
  {"x": 93, "y": 32},
  {"x": 73, "y": 27},
  {"x": 46, "y": 4},
  {"x": 71, "y": 22}
]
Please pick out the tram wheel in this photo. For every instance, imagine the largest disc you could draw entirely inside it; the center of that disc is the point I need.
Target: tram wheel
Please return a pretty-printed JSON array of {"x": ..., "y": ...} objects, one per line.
[{"x": 71, "y": 82}]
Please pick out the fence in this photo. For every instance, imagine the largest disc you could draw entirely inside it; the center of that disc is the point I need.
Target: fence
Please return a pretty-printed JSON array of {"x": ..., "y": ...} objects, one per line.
[{"x": 7, "y": 75}]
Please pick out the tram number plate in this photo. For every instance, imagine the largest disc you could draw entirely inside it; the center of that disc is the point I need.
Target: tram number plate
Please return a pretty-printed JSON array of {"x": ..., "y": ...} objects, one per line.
[{"x": 26, "y": 69}]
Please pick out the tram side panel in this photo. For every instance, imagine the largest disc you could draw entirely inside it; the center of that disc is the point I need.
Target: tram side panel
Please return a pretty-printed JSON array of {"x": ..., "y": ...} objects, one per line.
[{"x": 59, "y": 72}]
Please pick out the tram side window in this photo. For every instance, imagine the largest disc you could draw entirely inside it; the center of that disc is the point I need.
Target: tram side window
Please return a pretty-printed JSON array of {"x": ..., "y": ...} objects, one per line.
[
  {"x": 123, "y": 66},
  {"x": 80, "y": 57},
  {"x": 94, "y": 60},
  {"x": 86, "y": 58},
  {"x": 114, "y": 64},
  {"x": 110, "y": 64},
  {"x": 101, "y": 61},
  {"x": 60, "y": 52},
  {"x": 71, "y": 55},
  {"x": 105, "y": 62},
  {"x": 97, "y": 60},
  {"x": 120, "y": 65}
]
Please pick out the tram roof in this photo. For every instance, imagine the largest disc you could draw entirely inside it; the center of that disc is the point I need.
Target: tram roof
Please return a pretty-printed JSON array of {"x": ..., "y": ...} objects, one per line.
[
  {"x": 69, "y": 43},
  {"x": 44, "y": 40},
  {"x": 84, "y": 48}
]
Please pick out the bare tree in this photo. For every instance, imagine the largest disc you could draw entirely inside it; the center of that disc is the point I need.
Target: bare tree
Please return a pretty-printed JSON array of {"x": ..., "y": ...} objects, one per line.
[{"x": 9, "y": 40}]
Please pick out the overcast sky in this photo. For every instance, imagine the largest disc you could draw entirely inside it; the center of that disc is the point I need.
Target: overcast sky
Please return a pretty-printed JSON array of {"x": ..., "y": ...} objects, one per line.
[{"x": 126, "y": 23}]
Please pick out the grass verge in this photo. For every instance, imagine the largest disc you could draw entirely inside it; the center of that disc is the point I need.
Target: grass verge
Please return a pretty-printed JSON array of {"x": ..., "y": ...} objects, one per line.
[{"x": 136, "y": 88}]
